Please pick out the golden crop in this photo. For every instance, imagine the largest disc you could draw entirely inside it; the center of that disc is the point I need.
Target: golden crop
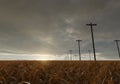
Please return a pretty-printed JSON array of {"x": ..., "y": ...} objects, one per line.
[{"x": 59, "y": 72}]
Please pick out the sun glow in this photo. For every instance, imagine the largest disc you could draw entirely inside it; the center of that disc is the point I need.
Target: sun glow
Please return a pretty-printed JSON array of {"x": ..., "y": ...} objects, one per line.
[{"x": 43, "y": 57}]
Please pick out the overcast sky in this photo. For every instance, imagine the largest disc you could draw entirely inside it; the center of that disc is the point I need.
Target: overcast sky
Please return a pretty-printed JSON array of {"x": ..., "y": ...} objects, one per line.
[{"x": 50, "y": 27}]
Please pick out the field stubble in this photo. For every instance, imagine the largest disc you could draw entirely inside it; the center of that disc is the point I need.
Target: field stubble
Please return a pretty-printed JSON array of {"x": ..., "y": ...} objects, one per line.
[{"x": 59, "y": 72}]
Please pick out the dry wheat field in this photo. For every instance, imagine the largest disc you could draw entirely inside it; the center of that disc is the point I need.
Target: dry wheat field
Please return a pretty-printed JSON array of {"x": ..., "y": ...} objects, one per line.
[{"x": 59, "y": 72}]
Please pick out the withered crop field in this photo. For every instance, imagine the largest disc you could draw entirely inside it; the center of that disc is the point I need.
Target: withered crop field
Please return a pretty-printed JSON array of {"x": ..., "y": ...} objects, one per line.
[{"x": 59, "y": 72}]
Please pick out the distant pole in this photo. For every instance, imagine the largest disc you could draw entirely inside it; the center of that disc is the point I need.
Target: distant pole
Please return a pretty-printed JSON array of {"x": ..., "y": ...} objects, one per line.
[
  {"x": 70, "y": 54},
  {"x": 118, "y": 46},
  {"x": 91, "y": 26},
  {"x": 67, "y": 55},
  {"x": 79, "y": 48},
  {"x": 89, "y": 54}
]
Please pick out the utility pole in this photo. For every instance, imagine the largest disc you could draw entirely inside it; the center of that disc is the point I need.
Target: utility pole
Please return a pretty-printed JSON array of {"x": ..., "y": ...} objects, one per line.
[
  {"x": 70, "y": 54},
  {"x": 91, "y": 26},
  {"x": 89, "y": 54},
  {"x": 118, "y": 46},
  {"x": 79, "y": 48}
]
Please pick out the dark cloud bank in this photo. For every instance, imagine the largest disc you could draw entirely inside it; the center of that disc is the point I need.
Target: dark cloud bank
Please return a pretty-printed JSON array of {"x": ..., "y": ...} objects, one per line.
[{"x": 52, "y": 26}]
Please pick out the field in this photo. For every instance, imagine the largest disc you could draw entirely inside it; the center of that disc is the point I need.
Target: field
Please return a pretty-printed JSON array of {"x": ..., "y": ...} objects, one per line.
[{"x": 59, "y": 72}]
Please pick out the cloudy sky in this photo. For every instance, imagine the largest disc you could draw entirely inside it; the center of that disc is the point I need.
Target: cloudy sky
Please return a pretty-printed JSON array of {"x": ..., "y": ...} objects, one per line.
[{"x": 50, "y": 27}]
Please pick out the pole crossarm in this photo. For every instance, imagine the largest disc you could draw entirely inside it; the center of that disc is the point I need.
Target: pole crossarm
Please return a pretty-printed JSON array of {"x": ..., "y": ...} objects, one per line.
[
  {"x": 117, "y": 40},
  {"x": 91, "y": 24}
]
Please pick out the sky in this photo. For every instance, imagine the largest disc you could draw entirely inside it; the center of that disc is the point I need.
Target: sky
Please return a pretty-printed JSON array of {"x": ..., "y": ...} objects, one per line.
[{"x": 51, "y": 27}]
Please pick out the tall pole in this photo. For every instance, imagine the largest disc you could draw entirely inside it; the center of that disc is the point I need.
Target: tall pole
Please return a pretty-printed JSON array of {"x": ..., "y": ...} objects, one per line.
[
  {"x": 117, "y": 47},
  {"x": 91, "y": 26},
  {"x": 79, "y": 48}
]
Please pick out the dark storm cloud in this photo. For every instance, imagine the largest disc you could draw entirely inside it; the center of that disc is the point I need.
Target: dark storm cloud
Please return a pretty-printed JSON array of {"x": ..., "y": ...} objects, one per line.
[{"x": 52, "y": 26}]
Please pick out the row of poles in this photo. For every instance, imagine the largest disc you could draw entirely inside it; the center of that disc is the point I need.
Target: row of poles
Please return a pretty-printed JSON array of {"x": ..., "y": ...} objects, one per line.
[
  {"x": 72, "y": 57},
  {"x": 93, "y": 44}
]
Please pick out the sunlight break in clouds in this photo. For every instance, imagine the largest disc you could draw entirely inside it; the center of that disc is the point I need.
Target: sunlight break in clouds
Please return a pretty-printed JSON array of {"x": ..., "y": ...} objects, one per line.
[{"x": 53, "y": 26}]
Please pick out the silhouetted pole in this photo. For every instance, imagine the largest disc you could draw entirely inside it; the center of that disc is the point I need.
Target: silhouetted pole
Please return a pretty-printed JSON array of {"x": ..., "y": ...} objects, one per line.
[
  {"x": 79, "y": 48},
  {"x": 117, "y": 46},
  {"x": 89, "y": 54},
  {"x": 70, "y": 54},
  {"x": 91, "y": 26}
]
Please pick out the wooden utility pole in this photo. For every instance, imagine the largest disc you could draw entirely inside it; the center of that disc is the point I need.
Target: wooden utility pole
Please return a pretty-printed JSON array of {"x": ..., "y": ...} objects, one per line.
[
  {"x": 118, "y": 46},
  {"x": 91, "y": 26},
  {"x": 79, "y": 48}
]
